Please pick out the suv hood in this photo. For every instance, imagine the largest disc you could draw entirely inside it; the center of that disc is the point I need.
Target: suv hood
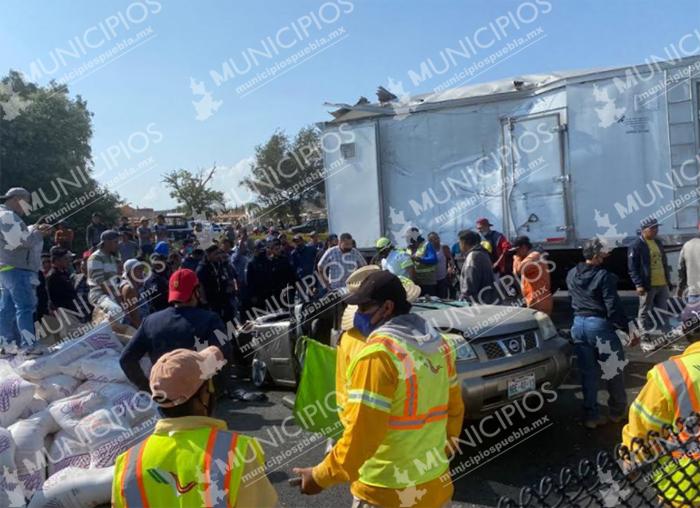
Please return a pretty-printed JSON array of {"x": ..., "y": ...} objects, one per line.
[{"x": 477, "y": 321}]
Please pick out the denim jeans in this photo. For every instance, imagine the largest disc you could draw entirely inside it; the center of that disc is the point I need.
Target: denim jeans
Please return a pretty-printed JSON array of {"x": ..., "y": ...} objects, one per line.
[
  {"x": 18, "y": 302},
  {"x": 592, "y": 336}
]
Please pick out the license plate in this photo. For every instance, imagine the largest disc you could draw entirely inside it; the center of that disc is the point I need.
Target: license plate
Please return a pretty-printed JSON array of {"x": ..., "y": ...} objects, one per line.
[{"x": 520, "y": 385}]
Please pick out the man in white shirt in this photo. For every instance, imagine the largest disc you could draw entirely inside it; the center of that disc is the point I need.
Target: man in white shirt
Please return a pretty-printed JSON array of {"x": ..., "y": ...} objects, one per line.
[
  {"x": 338, "y": 262},
  {"x": 689, "y": 269}
]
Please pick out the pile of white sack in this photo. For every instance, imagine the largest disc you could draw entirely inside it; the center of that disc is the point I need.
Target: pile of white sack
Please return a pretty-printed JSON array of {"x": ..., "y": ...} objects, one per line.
[{"x": 64, "y": 419}]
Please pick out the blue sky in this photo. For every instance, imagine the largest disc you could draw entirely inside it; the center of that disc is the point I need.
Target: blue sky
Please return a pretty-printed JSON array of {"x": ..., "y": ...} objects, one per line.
[{"x": 145, "y": 123}]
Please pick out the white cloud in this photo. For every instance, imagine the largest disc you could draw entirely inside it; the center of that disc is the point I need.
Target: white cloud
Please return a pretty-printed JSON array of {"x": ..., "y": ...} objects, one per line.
[{"x": 227, "y": 179}]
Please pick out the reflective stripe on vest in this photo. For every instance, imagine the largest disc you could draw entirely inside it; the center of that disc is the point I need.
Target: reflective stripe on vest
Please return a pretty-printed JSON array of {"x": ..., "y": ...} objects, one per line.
[
  {"x": 679, "y": 384},
  {"x": 411, "y": 403},
  {"x": 133, "y": 490},
  {"x": 447, "y": 352},
  {"x": 411, "y": 420},
  {"x": 681, "y": 387},
  {"x": 420, "y": 267},
  {"x": 219, "y": 465}
]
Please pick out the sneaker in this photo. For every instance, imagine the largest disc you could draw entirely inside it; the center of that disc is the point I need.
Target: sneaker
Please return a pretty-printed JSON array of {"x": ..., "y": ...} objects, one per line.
[{"x": 595, "y": 423}]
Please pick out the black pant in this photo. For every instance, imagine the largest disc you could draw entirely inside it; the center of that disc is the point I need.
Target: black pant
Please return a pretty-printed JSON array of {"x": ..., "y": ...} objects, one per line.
[
  {"x": 443, "y": 288},
  {"x": 428, "y": 289}
]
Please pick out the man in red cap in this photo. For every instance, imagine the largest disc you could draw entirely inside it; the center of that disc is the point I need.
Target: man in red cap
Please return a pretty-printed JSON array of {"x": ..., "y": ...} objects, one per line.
[
  {"x": 499, "y": 246},
  {"x": 191, "y": 459},
  {"x": 183, "y": 325}
]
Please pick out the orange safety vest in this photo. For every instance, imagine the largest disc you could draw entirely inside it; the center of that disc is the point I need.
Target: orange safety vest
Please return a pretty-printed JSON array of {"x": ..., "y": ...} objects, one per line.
[
  {"x": 678, "y": 479},
  {"x": 682, "y": 385}
]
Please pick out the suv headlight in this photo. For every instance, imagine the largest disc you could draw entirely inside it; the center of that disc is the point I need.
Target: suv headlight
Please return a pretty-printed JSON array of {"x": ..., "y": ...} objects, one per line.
[
  {"x": 547, "y": 328},
  {"x": 464, "y": 350}
]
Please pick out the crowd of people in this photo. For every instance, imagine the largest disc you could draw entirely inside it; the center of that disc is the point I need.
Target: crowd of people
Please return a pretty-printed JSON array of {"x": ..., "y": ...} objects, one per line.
[
  {"x": 396, "y": 376},
  {"x": 123, "y": 273}
]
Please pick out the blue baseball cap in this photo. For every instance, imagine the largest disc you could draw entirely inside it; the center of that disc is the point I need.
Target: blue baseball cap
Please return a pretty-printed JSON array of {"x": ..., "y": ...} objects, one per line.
[{"x": 162, "y": 248}]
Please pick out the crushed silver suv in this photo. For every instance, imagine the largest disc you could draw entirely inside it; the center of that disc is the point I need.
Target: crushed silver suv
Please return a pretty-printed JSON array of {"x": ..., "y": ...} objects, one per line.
[{"x": 503, "y": 352}]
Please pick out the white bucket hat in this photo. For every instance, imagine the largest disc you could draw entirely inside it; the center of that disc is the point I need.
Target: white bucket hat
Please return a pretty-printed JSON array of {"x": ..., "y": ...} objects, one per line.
[
  {"x": 347, "y": 322},
  {"x": 355, "y": 278}
]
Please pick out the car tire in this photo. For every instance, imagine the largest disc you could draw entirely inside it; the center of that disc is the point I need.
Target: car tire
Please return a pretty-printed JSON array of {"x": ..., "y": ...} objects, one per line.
[{"x": 259, "y": 374}]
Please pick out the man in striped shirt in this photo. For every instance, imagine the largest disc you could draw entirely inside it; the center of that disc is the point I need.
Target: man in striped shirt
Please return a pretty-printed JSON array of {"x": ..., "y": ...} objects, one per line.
[
  {"x": 103, "y": 275},
  {"x": 337, "y": 263}
]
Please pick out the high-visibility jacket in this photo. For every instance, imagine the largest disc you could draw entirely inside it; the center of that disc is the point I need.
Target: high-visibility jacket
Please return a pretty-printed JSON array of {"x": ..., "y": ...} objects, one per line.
[
  {"x": 196, "y": 467},
  {"x": 425, "y": 273},
  {"x": 417, "y": 425},
  {"x": 398, "y": 262},
  {"x": 672, "y": 391},
  {"x": 350, "y": 343}
]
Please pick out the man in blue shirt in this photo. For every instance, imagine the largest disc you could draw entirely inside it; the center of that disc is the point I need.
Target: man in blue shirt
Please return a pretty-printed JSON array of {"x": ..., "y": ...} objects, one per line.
[
  {"x": 425, "y": 261},
  {"x": 303, "y": 257},
  {"x": 303, "y": 260},
  {"x": 184, "y": 325}
]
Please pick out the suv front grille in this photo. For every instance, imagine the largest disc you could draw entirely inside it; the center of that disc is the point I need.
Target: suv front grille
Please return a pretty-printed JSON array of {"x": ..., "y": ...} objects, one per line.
[
  {"x": 493, "y": 350},
  {"x": 510, "y": 346}
]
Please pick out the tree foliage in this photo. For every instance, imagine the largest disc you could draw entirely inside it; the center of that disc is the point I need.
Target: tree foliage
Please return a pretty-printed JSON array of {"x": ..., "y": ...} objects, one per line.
[
  {"x": 287, "y": 174},
  {"x": 192, "y": 192},
  {"x": 45, "y": 147}
]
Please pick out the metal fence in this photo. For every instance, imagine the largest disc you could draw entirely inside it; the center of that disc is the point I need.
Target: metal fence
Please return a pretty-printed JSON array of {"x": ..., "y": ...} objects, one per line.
[{"x": 661, "y": 470}]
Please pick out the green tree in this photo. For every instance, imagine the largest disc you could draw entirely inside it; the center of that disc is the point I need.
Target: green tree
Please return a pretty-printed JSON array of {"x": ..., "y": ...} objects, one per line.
[
  {"x": 192, "y": 192},
  {"x": 287, "y": 174},
  {"x": 45, "y": 147}
]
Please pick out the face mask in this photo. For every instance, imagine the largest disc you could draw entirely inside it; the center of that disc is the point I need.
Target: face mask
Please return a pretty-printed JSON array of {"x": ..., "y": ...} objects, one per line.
[{"x": 363, "y": 322}]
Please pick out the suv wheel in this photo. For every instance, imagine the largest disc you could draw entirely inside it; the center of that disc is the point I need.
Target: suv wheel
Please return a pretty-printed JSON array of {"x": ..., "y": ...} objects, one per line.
[{"x": 259, "y": 374}]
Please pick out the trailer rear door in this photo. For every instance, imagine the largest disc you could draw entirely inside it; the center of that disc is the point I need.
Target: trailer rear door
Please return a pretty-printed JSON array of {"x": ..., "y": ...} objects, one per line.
[
  {"x": 534, "y": 180},
  {"x": 352, "y": 182}
]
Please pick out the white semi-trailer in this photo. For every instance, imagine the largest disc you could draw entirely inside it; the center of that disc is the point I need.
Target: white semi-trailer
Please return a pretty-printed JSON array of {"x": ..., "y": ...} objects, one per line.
[{"x": 561, "y": 157}]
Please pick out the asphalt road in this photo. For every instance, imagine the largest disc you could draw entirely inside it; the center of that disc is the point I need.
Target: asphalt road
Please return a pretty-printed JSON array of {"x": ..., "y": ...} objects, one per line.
[{"x": 543, "y": 440}]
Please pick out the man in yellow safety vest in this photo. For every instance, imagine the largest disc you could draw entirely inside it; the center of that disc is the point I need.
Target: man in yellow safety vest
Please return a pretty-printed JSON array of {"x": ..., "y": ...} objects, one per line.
[
  {"x": 425, "y": 259},
  {"x": 672, "y": 391},
  {"x": 191, "y": 459},
  {"x": 403, "y": 406},
  {"x": 351, "y": 340}
]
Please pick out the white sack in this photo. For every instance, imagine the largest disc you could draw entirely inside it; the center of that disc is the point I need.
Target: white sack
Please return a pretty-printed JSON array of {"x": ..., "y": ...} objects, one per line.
[
  {"x": 7, "y": 450},
  {"x": 69, "y": 411},
  {"x": 68, "y": 352},
  {"x": 6, "y": 367},
  {"x": 15, "y": 394},
  {"x": 11, "y": 491},
  {"x": 66, "y": 451},
  {"x": 35, "y": 405},
  {"x": 104, "y": 452},
  {"x": 100, "y": 365},
  {"x": 58, "y": 386},
  {"x": 30, "y": 457},
  {"x": 75, "y": 488}
]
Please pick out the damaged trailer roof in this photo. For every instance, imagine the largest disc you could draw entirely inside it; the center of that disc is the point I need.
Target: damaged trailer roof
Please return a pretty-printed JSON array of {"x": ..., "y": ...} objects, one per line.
[{"x": 517, "y": 86}]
